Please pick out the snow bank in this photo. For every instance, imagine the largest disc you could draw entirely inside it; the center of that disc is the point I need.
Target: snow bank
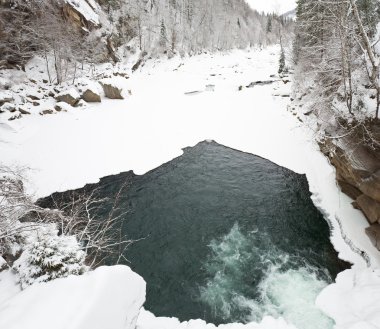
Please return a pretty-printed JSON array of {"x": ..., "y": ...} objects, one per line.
[
  {"x": 353, "y": 301},
  {"x": 109, "y": 297},
  {"x": 8, "y": 287}
]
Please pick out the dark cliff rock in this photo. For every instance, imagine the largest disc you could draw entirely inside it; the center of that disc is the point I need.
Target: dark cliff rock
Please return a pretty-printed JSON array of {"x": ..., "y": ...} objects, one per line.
[{"x": 358, "y": 175}]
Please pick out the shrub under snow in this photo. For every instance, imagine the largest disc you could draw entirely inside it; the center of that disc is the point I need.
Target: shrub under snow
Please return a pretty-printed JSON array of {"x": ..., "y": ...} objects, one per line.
[{"x": 49, "y": 256}]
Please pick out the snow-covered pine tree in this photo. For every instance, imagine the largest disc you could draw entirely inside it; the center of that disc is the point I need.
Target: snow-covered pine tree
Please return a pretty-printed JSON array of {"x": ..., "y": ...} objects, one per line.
[
  {"x": 269, "y": 24},
  {"x": 282, "y": 67},
  {"x": 48, "y": 256},
  {"x": 163, "y": 36}
]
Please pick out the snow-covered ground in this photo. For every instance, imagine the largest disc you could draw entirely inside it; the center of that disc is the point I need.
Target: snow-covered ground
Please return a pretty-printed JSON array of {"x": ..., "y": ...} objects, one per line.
[
  {"x": 109, "y": 297},
  {"x": 175, "y": 104}
]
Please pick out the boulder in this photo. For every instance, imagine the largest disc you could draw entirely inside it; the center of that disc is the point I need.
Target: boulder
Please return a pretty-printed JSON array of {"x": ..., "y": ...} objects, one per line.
[
  {"x": 90, "y": 95},
  {"x": 5, "y": 97},
  {"x": 44, "y": 112},
  {"x": 121, "y": 74},
  {"x": 8, "y": 107},
  {"x": 112, "y": 90},
  {"x": 370, "y": 208},
  {"x": 23, "y": 111},
  {"x": 373, "y": 233},
  {"x": 62, "y": 106},
  {"x": 70, "y": 96},
  {"x": 34, "y": 97},
  {"x": 16, "y": 116}
]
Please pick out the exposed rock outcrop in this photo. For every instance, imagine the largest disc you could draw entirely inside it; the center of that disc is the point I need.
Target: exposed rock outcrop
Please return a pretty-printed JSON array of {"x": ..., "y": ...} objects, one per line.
[
  {"x": 82, "y": 13},
  {"x": 374, "y": 234},
  {"x": 370, "y": 208},
  {"x": 358, "y": 174}
]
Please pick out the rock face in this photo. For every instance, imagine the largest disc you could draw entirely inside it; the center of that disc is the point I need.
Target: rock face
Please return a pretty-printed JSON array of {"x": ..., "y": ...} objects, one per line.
[
  {"x": 82, "y": 13},
  {"x": 374, "y": 234},
  {"x": 111, "y": 90},
  {"x": 70, "y": 96},
  {"x": 358, "y": 175},
  {"x": 370, "y": 207}
]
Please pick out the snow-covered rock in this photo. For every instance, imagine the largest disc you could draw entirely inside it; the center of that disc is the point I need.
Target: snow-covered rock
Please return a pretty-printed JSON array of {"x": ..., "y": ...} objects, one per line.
[
  {"x": 91, "y": 93},
  {"x": 8, "y": 107},
  {"x": 87, "y": 9},
  {"x": 107, "y": 298},
  {"x": 62, "y": 106},
  {"x": 114, "y": 88},
  {"x": 70, "y": 96},
  {"x": 5, "y": 97},
  {"x": 81, "y": 104}
]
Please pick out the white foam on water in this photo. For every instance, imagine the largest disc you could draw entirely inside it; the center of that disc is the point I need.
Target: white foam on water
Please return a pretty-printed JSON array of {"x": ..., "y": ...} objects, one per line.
[{"x": 287, "y": 288}]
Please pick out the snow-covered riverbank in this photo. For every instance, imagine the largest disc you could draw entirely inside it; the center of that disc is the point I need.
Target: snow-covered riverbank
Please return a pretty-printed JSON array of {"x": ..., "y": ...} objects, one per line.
[{"x": 151, "y": 127}]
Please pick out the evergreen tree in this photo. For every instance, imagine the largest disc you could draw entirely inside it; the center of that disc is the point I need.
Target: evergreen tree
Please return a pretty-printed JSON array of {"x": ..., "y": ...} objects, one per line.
[
  {"x": 282, "y": 68},
  {"x": 269, "y": 24},
  {"x": 163, "y": 35}
]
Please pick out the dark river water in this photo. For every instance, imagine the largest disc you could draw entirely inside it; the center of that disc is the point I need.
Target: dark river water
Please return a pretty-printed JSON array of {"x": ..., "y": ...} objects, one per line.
[{"x": 226, "y": 236}]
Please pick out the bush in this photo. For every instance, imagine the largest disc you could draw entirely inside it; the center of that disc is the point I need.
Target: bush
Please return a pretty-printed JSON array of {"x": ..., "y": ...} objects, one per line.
[{"x": 49, "y": 256}]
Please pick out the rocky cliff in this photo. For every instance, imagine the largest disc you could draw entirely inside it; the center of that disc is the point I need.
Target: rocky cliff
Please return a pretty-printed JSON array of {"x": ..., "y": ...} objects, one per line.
[{"x": 357, "y": 166}]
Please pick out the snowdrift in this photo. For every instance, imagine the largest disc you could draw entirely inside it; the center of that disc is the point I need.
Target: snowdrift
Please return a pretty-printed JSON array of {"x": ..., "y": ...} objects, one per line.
[{"x": 109, "y": 297}]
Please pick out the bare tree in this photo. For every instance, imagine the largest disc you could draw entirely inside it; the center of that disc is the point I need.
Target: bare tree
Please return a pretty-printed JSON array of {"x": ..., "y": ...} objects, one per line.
[
  {"x": 100, "y": 236},
  {"x": 370, "y": 55}
]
